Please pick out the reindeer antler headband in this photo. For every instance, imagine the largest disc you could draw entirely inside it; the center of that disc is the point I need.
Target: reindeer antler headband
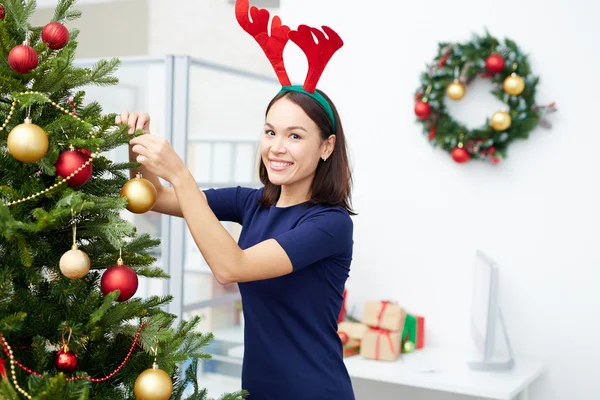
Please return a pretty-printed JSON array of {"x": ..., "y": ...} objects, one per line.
[{"x": 318, "y": 54}]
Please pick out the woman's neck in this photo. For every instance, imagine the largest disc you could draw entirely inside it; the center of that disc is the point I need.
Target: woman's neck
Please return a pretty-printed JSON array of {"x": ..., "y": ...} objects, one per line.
[{"x": 294, "y": 194}]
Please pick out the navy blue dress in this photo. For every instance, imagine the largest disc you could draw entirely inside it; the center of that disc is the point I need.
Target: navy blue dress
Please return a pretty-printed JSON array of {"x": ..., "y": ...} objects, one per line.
[{"x": 291, "y": 347}]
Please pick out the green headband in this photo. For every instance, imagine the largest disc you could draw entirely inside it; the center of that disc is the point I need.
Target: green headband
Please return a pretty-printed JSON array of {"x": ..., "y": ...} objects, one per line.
[{"x": 317, "y": 96}]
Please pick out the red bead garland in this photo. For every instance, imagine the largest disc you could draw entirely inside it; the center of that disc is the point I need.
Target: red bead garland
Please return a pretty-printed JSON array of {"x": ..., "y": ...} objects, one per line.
[{"x": 79, "y": 377}]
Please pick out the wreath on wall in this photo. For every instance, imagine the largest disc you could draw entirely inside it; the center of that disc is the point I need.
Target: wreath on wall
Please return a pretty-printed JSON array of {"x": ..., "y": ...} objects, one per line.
[{"x": 448, "y": 76}]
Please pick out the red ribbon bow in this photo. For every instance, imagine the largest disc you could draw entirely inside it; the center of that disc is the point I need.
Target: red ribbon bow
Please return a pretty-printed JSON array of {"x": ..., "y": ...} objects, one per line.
[{"x": 385, "y": 333}]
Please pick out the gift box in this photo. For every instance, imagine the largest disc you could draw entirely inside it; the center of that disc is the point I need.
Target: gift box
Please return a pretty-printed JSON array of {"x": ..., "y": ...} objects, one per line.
[
  {"x": 384, "y": 315},
  {"x": 354, "y": 330},
  {"x": 352, "y": 348},
  {"x": 379, "y": 344},
  {"x": 414, "y": 331}
]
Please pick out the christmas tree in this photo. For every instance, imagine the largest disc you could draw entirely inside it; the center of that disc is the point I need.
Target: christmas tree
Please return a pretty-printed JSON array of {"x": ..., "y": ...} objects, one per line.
[{"x": 71, "y": 326}]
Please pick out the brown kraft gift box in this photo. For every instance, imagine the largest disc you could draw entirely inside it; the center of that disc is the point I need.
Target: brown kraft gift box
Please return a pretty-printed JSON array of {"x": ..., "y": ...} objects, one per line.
[
  {"x": 378, "y": 344},
  {"x": 354, "y": 330},
  {"x": 384, "y": 315}
]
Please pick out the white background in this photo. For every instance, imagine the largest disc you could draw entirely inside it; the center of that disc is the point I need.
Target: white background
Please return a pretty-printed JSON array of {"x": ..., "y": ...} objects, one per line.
[{"x": 422, "y": 216}]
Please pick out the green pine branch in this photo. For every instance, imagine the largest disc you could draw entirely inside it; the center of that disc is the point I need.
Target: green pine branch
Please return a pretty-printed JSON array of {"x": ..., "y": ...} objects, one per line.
[{"x": 36, "y": 300}]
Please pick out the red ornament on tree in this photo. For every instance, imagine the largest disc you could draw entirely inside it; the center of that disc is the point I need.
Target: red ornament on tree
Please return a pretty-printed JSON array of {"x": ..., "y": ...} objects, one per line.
[
  {"x": 65, "y": 360},
  {"x": 2, "y": 368},
  {"x": 69, "y": 162},
  {"x": 2, "y": 12},
  {"x": 119, "y": 277},
  {"x": 460, "y": 155},
  {"x": 494, "y": 63},
  {"x": 422, "y": 109},
  {"x": 55, "y": 35},
  {"x": 23, "y": 58}
]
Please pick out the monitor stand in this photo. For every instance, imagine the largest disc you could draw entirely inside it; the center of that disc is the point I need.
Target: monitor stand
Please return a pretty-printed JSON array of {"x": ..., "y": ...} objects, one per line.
[{"x": 487, "y": 364}]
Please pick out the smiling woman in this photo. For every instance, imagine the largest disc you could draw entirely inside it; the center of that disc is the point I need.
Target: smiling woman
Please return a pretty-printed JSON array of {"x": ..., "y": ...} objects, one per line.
[
  {"x": 297, "y": 232},
  {"x": 302, "y": 155}
]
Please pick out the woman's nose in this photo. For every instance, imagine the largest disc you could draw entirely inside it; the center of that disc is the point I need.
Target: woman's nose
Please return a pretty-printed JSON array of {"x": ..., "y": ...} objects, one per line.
[{"x": 278, "y": 145}]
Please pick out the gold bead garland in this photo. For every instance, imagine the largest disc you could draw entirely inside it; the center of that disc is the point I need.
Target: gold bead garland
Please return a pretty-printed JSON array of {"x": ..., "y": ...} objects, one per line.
[
  {"x": 13, "y": 368},
  {"x": 12, "y": 110},
  {"x": 63, "y": 180}
]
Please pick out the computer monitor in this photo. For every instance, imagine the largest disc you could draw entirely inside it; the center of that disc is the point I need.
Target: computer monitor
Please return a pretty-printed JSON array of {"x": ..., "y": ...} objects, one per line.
[{"x": 486, "y": 317}]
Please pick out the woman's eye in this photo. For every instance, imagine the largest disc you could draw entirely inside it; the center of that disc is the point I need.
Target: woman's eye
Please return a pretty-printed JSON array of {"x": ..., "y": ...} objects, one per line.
[
  {"x": 269, "y": 133},
  {"x": 295, "y": 136}
]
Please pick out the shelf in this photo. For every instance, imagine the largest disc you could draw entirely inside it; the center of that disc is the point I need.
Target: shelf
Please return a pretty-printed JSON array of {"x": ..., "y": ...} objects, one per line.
[{"x": 442, "y": 370}]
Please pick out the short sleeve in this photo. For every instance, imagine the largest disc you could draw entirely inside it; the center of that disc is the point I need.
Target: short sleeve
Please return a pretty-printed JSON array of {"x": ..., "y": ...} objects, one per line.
[
  {"x": 230, "y": 204},
  {"x": 322, "y": 235}
]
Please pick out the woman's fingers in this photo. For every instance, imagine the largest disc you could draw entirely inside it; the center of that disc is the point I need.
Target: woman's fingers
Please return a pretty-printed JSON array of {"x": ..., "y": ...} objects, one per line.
[
  {"x": 139, "y": 149},
  {"x": 141, "y": 159},
  {"x": 143, "y": 122},
  {"x": 134, "y": 121}
]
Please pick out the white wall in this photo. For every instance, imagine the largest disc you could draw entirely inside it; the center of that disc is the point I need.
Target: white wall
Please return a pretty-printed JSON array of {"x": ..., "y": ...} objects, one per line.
[
  {"x": 536, "y": 213},
  {"x": 102, "y": 24},
  {"x": 208, "y": 30}
]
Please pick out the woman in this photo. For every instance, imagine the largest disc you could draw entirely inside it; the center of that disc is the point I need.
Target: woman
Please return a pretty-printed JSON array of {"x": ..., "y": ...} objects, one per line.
[{"x": 294, "y": 251}]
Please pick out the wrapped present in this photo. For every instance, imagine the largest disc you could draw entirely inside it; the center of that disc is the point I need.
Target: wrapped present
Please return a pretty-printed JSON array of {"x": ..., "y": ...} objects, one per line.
[
  {"x": 354, "y": 330},
  {"x": 414, "y": 332},
  {"x": 379, "y": 344},
  {"x": 352, "y": 348},
  {"x": 384, "y": 315}
]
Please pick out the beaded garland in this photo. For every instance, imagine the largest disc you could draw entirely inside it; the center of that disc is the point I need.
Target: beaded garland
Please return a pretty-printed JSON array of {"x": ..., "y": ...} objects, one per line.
[
  {"x": 14, "y": 363},
  {"x": 62, "y": 180}
]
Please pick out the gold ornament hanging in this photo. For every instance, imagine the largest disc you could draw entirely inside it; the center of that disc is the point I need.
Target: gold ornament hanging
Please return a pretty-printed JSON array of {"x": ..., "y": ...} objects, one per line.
[
  {"x": 501, "y": 120},
  {"x": 456, "y": 90},
  {"x": 92, "y": 135},
  {"x": 153, "y": 384},
  {"x": 140, "y": 193},
  {"x": 74, "y": 264},
  {"x": 514, "y": 84},
  {"x": 27, "y": 142}
]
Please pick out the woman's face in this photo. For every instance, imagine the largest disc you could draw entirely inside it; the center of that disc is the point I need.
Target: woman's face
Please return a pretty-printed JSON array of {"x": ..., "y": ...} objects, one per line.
[{"x": 291, "y": 145}]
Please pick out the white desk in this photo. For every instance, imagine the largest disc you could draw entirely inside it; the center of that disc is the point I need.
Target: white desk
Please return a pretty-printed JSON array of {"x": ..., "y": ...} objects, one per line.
[{"x": 443, "y": 370}]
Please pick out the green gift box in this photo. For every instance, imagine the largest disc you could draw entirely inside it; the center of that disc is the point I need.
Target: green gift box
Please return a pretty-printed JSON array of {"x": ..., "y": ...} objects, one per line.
[{"x": 414, "y": 332}]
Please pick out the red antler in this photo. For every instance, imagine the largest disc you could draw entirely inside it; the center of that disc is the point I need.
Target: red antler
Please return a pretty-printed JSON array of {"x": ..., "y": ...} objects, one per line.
[
  {"x": 318, "y": 53},
  {"x": 259, "y": 29}
]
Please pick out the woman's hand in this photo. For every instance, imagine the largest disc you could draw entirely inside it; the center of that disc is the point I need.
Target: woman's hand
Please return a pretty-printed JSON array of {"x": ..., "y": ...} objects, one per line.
[
  {"x": 153, "y": 152},
  {"x": 157, "y": 155},
  {"x": 134, "y": 120}
]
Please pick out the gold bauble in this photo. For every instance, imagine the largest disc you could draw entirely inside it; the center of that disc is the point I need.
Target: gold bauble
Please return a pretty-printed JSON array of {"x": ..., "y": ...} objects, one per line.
[
  {"x": 27, "y": 142},
  {"x": 500, "y": 120},
  {"x": 456, "y": 90},
  {"x": 140, "y": 193},
  {"x": 153, "y": 384},
  {"x": 514, "y": 84},
  {"x": 74, "y": 264}
]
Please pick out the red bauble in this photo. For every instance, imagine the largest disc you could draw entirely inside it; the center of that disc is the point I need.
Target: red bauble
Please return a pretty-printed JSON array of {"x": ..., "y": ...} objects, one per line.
[
  {"x": 65, "y": 360},
  {"x": 422, "y": 109},
  {"x": 494, "y": 63},
  {"x": 22, "y": 58},
  {"x": 2, "y": 12},
  {"x": 119, "y": 277},
  {"x": 68, "y": 162},
  {"x": 460, "y": 155},
  {"x": 55, "y": 35}
]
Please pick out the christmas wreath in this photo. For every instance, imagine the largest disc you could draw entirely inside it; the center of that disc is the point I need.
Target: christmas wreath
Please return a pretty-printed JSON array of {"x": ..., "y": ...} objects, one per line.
[{"x": 452, "y": 70}]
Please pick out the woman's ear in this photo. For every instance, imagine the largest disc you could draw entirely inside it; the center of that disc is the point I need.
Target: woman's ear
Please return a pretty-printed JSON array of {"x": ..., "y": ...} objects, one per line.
[{"x": 327, "y": 147}]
